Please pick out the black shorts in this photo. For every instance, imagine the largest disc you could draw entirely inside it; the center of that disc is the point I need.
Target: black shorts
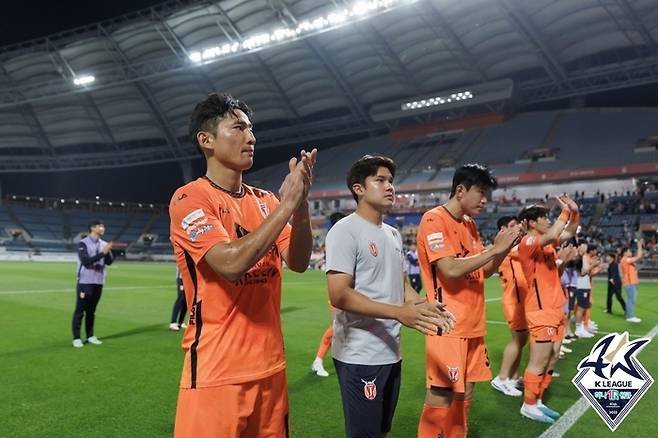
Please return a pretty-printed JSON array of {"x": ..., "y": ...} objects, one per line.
[
  {"x": 572, "y": 297},
  {"x": 583, "y": 297},
  {"x": 370, "y": 394}
]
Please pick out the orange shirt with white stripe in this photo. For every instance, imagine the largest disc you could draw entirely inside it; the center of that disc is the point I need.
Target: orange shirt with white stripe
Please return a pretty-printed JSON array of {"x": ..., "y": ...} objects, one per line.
[
  {"x": 234, "y": 335},
  {"x": 442, "y": 235}
]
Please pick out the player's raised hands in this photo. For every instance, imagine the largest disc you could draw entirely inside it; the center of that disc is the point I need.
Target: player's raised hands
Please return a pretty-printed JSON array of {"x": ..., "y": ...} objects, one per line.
[
  {"x": 567, "y": 253},
  {"x": 296, "y": 185},
  {"x": 107, "y": 248},
  {"x": 507, "y": 238}
]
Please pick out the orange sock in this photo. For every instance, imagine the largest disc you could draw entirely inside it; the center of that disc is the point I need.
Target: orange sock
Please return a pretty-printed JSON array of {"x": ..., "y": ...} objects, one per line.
[
  {"x": 325, "y": 343},
  {"x": 532, "y": 387},
  {"x": 546, "y": 380},
  {"x": 467, "y": 408},
  {"x": 432, "y": 421},
  {"x": 456, "y": 420}
]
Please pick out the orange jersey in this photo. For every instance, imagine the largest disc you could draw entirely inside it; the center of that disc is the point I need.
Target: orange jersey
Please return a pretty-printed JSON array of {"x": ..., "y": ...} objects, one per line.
[
  {"x": 541, "y": 274},
  {"x": 512, "y": 279},
  {"x": 441, "y": 235},
  {"x": 629, "y": 272},
  {"x": 234, "y": 334}
]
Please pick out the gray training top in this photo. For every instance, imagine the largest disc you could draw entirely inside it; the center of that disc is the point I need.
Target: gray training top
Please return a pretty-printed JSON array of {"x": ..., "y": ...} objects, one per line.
[{"x": 373, "y": 256}]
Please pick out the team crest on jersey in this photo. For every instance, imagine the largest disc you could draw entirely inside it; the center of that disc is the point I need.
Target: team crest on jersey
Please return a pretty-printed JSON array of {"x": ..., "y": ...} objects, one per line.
[
  {"x": 373, "y": 248},
  {"x": 550, "y": 331},
  {"x": 264, "y": 209},
  {"x": 369, "y": 389},
  {"x": 453, "y": 374},
  {"x": 612, "y": 379},
  {"x": 435, "y": 241}
]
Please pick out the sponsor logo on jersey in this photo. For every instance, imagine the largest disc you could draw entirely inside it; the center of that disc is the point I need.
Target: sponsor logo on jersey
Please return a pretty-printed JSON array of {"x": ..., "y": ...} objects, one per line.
[
  {"x": 612, "y": 379},
  {"x": 435, "y": 241},
  {"x": 369, "y": 389},
  {"x": 193, "y": 218}
]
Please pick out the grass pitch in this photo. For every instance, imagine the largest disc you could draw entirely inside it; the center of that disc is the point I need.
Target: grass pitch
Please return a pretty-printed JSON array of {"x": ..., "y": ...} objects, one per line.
[{"x": 128, "y": 386}]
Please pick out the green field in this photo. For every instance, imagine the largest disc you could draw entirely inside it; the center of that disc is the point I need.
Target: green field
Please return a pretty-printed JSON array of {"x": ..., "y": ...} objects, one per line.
[{"x": 127, "y": 387}]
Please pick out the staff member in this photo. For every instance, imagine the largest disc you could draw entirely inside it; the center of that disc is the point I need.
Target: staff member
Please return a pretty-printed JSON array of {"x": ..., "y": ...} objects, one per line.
[{"x": 93, "y": 255}]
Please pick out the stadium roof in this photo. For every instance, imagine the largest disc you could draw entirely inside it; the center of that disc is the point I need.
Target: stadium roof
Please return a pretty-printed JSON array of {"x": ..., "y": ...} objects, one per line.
[{"x": 321, "y": 83}]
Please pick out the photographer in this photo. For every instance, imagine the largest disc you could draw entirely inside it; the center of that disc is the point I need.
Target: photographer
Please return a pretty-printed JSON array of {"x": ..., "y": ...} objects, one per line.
[{"x": 93, "y": 255}]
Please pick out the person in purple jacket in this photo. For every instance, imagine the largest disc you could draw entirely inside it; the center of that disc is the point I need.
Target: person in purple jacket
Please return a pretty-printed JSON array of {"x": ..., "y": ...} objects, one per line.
[{"x": 93, "y": 255}]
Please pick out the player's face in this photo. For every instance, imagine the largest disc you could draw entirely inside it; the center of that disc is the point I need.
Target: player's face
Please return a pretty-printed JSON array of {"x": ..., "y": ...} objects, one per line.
[
  {"x": 233, "y": 141},
  {"x": 98, "y": 229},
  {"x": 473, "y": 200},
  {"x": 379, "y": 190},
  {"x": 542, "y": 224}
]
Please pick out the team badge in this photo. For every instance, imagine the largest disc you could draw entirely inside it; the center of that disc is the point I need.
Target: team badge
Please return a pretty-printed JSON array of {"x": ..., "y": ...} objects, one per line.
[
  {"x": 264, "y": 209},
  {"x": 453, "y": 374},
  {"x": 612, "y": 379},
  {"x": 369, "y": 389},
  {"x": 373, "y": 248},
  {"x": 550, "y": 331}
]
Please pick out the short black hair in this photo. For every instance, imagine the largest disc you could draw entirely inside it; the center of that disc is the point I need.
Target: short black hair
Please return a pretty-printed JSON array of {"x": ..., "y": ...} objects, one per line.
[
  {"x": 211, "y": 110},
  {"x": 532, "y": 212},
  {"x": 367, "y": 166},
  {"x": 473, "y": 174},
  {"x": 504, "y": 221},
  {"x": 93, "y": 223}
]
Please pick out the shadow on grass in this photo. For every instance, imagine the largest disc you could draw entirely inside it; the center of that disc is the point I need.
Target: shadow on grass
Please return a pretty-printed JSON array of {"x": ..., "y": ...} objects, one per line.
[
  {"x": 136, "y": 331},
  {"x": 290, "y": 309}
]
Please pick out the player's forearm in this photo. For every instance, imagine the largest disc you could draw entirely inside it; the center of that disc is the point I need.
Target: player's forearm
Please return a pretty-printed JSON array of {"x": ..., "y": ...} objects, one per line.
[
  {"x": 301, "y": 239},
  {"x": 453, "y": 267},
  {"x": 410, "y": 293},
  {"x": 350, "y": 300},
  {"x": 232, "y": 259},
  {"x": 491, "y": 267}
]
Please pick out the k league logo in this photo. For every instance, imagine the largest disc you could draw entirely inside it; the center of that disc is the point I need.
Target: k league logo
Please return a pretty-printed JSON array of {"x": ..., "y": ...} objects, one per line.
[{"x": 612, "y": 379}]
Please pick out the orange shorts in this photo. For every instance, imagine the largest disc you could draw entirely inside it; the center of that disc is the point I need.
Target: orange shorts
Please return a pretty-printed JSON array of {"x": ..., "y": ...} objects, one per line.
[
  {"x": 252, "y": 409},
  {"x": 546, "y": 325},
  {"x": 514, "y": 315},
  {"x": 451, "y": 362}
]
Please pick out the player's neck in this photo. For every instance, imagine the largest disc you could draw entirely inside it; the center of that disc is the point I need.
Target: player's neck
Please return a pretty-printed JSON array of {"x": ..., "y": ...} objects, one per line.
[
  {"x": 369, "y": 213},
  {"x": 228, "y": 179},
  {"x": 454, "y": 208}
]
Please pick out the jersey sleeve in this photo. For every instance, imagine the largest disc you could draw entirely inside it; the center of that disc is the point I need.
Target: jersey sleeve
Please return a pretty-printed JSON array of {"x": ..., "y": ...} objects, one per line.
[
  {"x": 195, "y": 227},
  {"x": 435, "y": 234},
  {"x": 341, "y": 250}
]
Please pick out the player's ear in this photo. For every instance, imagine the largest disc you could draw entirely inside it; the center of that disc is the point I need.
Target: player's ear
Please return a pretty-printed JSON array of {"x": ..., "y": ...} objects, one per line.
[
  {"x": 205, "y": 140},
  {"x": 358, "y": 189}
]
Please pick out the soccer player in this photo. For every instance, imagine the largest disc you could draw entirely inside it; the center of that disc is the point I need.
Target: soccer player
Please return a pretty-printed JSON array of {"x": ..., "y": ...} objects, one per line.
[
  {"x": 178, "y": 312},
  {"x": 325, "y": 343},
  {"x": 367, "y": 285},
  {"x": 94, "y": 254},
  {"x": 513, "y": 299},
  {"x": 586, "y": 266},
  {"x": 229, "y": 240},
  {"x": 453, "y": 265},
  {"x": 614, "y": 282},
  {"x": 545, "y": 299},
  {"x": 630, "y": 279}
]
